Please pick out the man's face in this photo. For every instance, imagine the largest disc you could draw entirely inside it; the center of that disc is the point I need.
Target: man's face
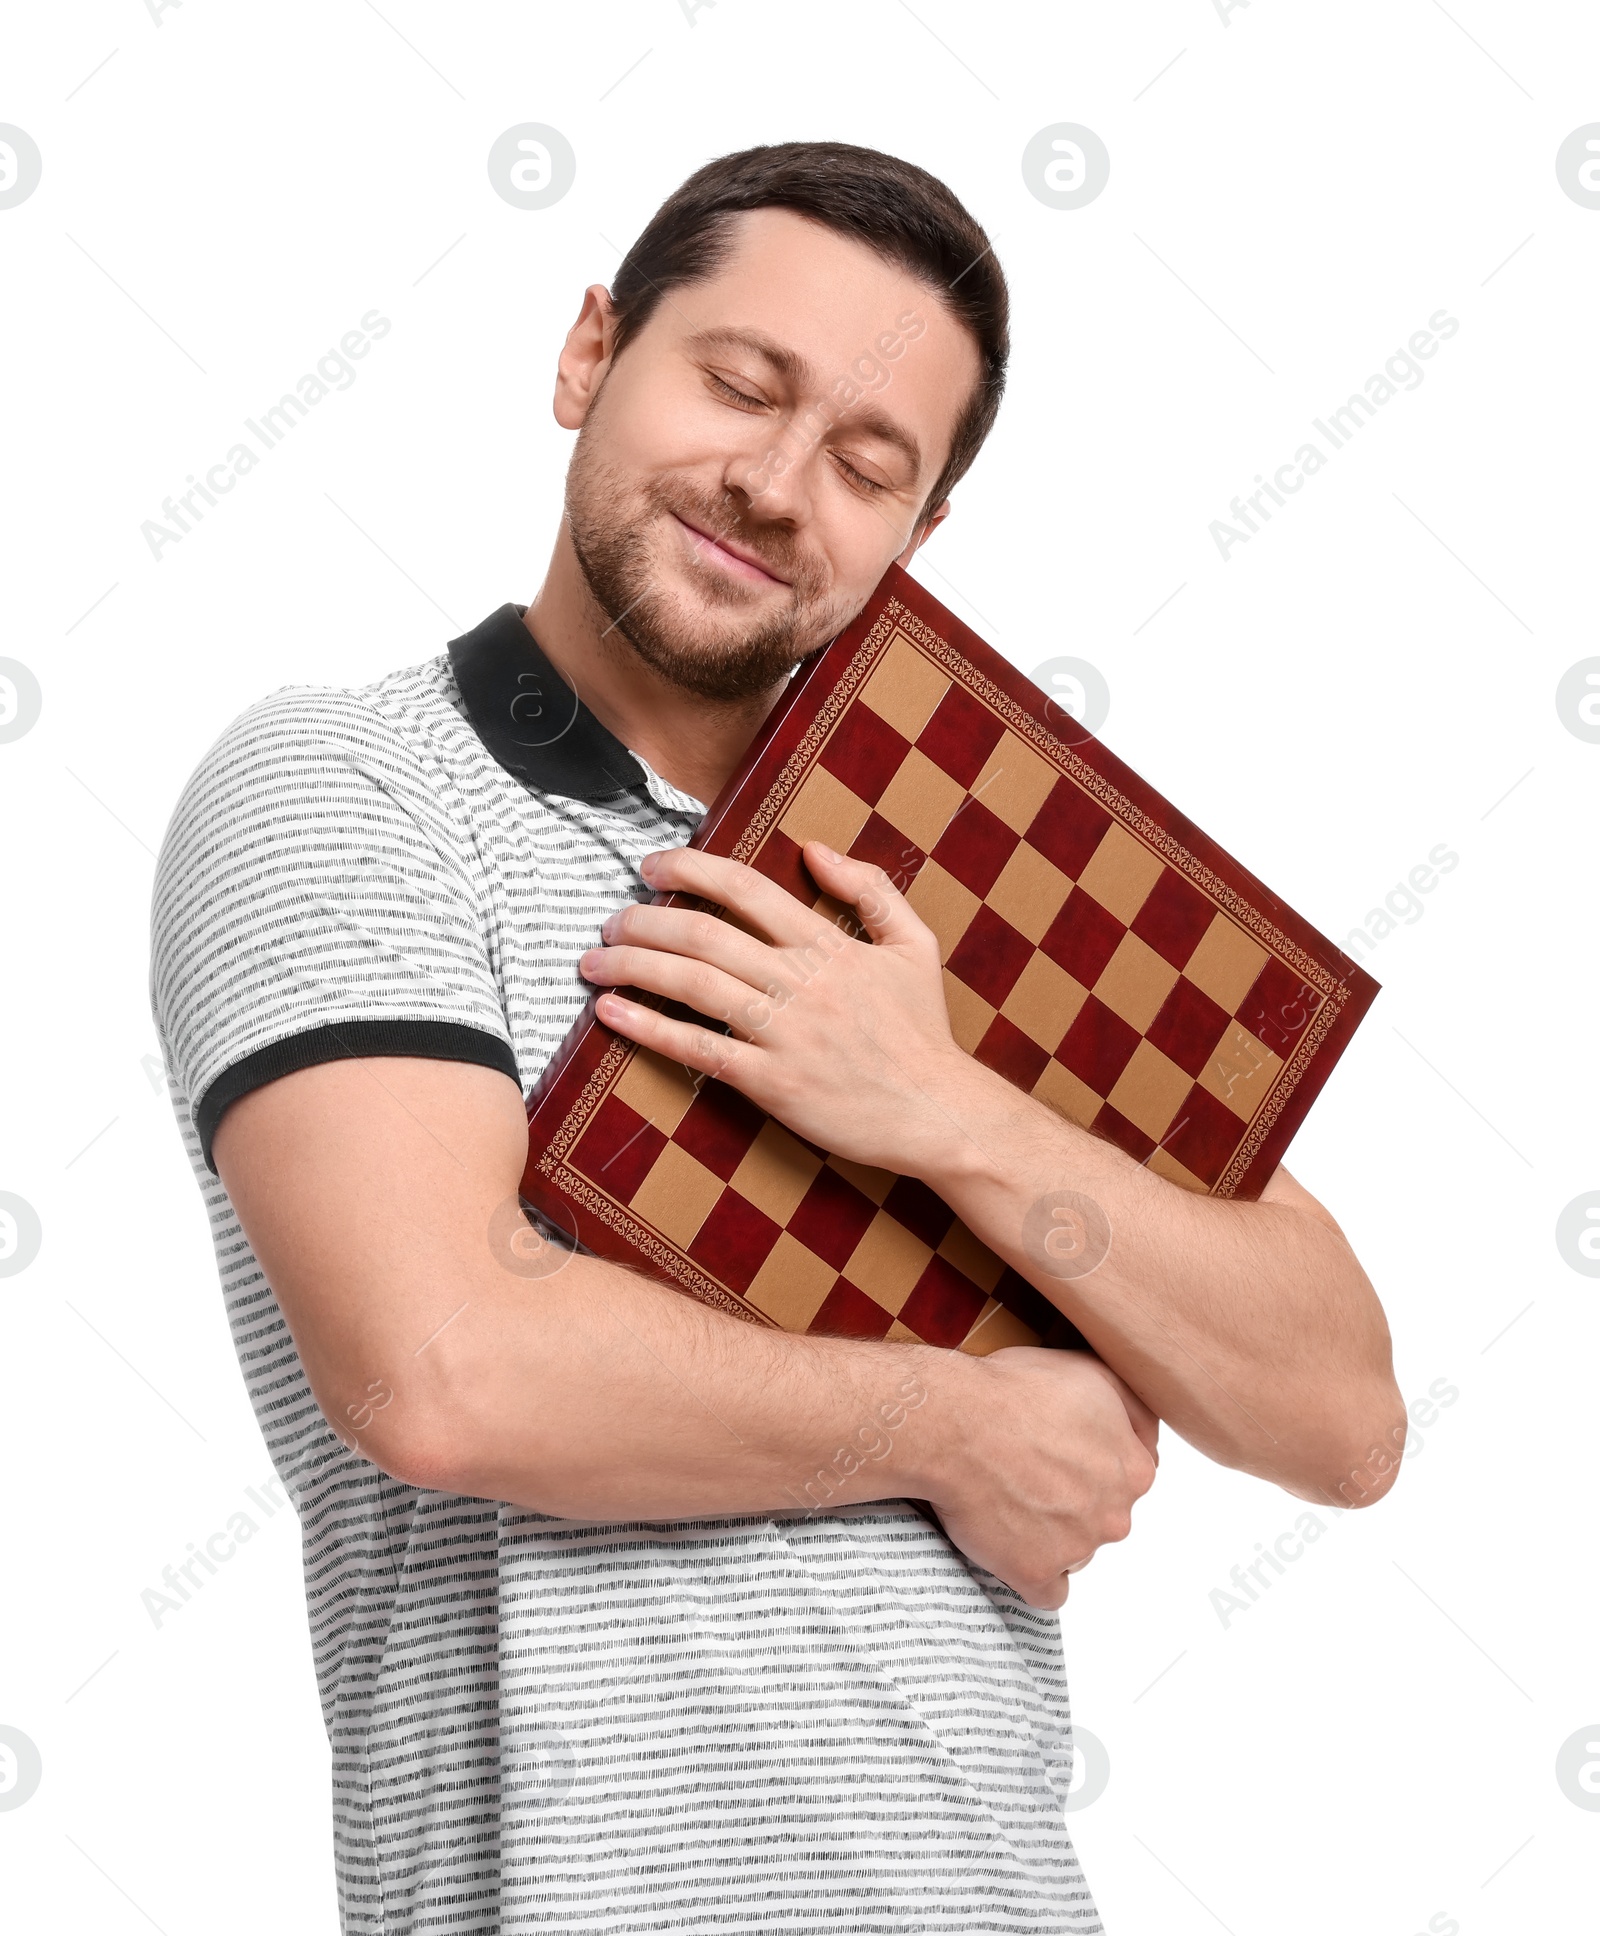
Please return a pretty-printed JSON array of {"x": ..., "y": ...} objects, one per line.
[{"x": 760, "y": 452}]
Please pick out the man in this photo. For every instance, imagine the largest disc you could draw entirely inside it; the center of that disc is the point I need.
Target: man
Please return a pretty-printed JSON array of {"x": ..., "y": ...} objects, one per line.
[{"x": 584, "y": 1661}]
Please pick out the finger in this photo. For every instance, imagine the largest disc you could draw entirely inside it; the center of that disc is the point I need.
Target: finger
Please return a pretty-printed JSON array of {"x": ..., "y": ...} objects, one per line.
[
  {"x": 722, "y": 997},
  {"x": 702, "y": 937},
  {"x": 685, "y": 1042},
  {"x": 885, "y": 912},
  {"x": 1146, "y": 1425},
  {"x": 729, "y": 883},
  {"x": 1145, "y": 1422}
]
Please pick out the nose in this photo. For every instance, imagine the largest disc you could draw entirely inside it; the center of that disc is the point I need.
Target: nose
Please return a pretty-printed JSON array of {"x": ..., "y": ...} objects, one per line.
[{"x": 775, "y": 485}]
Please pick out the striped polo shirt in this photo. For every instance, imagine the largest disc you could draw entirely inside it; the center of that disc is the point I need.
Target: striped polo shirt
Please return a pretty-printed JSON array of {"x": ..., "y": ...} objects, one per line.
[{"x": 824, "y": 1721}]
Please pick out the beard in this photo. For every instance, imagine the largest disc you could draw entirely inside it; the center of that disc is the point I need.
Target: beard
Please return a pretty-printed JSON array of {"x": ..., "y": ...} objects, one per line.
[{"x": 616, "y": 524}]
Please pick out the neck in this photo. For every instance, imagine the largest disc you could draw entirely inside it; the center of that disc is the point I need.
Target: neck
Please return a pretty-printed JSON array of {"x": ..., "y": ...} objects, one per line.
[{"x": 694, "y": 743}]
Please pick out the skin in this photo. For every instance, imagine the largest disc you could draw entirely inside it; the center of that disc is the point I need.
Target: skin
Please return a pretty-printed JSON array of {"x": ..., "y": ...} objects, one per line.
[{"x": 457, "y": 1352}]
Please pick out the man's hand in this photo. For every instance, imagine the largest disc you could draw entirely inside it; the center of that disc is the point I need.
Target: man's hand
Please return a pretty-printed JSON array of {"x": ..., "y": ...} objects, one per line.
[
  {"x": 846, "y": 1042},
  {"x": 1058, "y": 1451}
]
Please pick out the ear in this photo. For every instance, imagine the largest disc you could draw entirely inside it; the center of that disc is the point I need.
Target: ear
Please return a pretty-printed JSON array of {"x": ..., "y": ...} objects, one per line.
[
  {"x": 930, "y": 524},
  {"x": 585, "y": 357}
]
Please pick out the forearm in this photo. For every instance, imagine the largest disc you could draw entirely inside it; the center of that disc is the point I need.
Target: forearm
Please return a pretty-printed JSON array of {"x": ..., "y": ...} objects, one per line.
[
  {"x": 1250, "y": 1327},
  {"x": 596, "y": 1393},
  {"x": 506, "y": 1369}
]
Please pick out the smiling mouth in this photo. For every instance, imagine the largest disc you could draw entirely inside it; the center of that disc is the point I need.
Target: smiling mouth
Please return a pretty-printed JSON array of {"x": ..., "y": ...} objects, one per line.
[{"x": 735, "y": 560}]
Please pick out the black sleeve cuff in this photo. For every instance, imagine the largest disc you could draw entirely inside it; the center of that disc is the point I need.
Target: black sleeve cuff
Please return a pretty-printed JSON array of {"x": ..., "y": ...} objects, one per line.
[{"x": 443, "y": 1041}]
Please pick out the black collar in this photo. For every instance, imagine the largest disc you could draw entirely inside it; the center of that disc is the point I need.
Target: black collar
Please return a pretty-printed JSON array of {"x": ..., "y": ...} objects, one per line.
[{"x": 531, "y": 720}]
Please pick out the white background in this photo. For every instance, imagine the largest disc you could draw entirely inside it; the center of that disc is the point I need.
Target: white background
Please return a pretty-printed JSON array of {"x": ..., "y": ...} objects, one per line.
[{"x": 1294, "y": 190}]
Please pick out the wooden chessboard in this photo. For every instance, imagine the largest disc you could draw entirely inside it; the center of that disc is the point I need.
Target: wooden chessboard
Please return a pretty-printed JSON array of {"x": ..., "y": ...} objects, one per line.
[{"x": 1099, "y": 951}]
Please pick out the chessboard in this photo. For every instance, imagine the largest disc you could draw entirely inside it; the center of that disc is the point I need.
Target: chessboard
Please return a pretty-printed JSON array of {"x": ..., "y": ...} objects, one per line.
[{"x": 1100, "y": 952}]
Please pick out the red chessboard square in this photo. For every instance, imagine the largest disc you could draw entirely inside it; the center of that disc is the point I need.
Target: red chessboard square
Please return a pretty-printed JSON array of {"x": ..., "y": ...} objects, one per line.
[
  {"x": 1083, "y": 937},
  {"x": 1030, "y": 1304},
  {"x": 780, "y": 860},
  {"x": 832, "y": 1218},
  {"x": 1211, "y": 1132},
  {"x": 960, "y": 736},
  {"x": 1278, "y": 1008},
  {"x": 719, "y": 1127},
  {"x": 925, "y": 1215},
  {"x": 618, "y": 1150},
  {"x": 990, "y": 955},
  {"x": 849, "y": 1313},
  {"x": 1115, "y": 1128},
  {"x": 1098, "y": 1046},
  {"x": 1188, "y": 1027},
  {"x": 896, "y": 853},
  {"x": 865, "y": 752},
  {"x": 944, "y": 1306},
  {"x": 1068, "y": 827},
  {"x": 1011, "y": 1054},
  {"x": 975, "y": 846},
  {"x": 734, "y": 1241},
  {"x": 1174, "y": 916}
]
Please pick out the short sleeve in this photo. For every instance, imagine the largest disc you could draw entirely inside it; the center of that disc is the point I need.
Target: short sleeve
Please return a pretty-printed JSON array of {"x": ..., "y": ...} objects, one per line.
[{"x": 314, "y": 899}]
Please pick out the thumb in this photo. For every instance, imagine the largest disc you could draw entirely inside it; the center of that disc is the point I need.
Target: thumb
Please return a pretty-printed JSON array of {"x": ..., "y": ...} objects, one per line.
[{"x": 883, "y": 910}]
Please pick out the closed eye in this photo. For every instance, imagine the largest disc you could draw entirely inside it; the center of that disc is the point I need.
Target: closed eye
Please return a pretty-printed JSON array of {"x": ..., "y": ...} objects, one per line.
[
  {"x": 736, "y": 397},
  {"x": 870, "y": 483}
]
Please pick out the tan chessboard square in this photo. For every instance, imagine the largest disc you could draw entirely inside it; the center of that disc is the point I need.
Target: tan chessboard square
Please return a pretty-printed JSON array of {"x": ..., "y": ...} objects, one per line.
[
  {"x": 905, "y": 687},
  {"x": 1120, "y": 872},
  {"x": 775, "y": 1172},
  {"x": 1239, "y": 1071},
  {"x": 1044, "y": 1002},
  {"x": 1150, "y": 1090},
  {"x": 659, "y": 1090},
  {"x": 837, "y": 914},
  {"x": 875, "y": 1184},
  {"x": 1029, "y": 893},
  {"x": 825, "y": 809},
  {"x": 1066, "y": 1095},
  {"x": 1015, "y": 783},
  {"x": 994, "y": 1328},
  {"x": 1226, "y": 962},
  {"x": 790, "y": 1286},
  {"x": 676, "y": 1197},
  {"x": 1168, "y": 1166},
  {"x": 887, "y": 1262},
  {"x": 899, "y": 1333},
  {"x": 939, "y": 899},
  {"x": 971, "y": 1257},
  {"x": 1134, "y": 983},
  {"x": 920, "y": 801},
  {"x": 970, "y": 1014}
]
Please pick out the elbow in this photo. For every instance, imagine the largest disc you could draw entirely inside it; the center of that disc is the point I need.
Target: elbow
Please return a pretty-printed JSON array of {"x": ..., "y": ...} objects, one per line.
[
  {"x": 1369, "y": 1464},
  {"x": 430, "y": 1462},
  {"x": 428, "y": 1452}
]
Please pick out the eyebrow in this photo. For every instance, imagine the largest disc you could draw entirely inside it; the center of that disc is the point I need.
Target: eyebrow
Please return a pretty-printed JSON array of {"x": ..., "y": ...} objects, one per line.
[{"x": 799, "y": 371}]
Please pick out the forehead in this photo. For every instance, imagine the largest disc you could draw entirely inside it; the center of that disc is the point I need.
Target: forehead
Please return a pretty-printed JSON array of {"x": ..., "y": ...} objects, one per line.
[{"x": 829, "y": 299}]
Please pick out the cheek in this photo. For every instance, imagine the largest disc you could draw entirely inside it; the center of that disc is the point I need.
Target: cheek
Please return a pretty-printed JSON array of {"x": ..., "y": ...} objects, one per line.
[
  {"x": 662, "y": 423},
  {"x": 856, "y": 537}
]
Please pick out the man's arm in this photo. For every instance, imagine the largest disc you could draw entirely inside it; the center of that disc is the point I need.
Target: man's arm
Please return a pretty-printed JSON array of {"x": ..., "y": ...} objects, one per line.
[
  {"x": 1249, "y": 1327},
  {"x": 381, "y": 1200}
]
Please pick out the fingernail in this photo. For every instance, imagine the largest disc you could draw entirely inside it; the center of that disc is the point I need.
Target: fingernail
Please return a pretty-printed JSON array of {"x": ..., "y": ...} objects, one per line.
[
  {"x": 827, "y": 853},
  {"x": 608, "y": 927},
  {"x": 588, "y": 959},
  {"x": 647, "y": 866}
]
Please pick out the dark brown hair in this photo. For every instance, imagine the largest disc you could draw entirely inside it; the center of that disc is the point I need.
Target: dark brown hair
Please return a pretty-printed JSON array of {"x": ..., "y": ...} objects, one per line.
[{"x": 902, "y": 211}]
